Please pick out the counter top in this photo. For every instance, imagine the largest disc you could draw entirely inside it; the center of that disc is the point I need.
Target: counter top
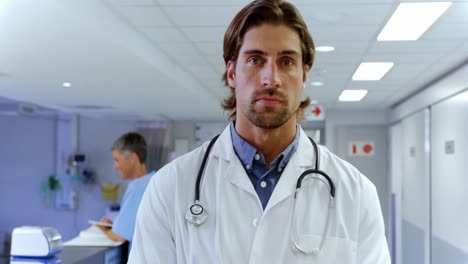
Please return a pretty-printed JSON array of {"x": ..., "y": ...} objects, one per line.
[{"x": 89, "y": 255}]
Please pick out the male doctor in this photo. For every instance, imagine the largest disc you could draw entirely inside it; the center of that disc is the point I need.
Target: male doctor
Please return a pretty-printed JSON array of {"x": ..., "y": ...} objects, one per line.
[{"x": 248, "y": 185}]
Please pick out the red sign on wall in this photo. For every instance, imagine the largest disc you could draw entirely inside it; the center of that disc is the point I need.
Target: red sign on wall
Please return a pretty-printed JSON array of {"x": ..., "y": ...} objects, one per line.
[
  {"x": 314, "y": 113},
  {"x": 361, "y": 148}
]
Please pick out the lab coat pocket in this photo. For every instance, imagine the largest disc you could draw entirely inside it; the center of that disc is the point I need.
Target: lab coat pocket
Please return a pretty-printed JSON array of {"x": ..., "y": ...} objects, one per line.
[{"x": 334, "y": 250}]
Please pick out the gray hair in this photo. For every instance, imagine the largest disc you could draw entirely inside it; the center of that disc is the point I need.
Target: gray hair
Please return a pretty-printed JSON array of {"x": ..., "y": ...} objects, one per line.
[{"x": 132, "y": 142}]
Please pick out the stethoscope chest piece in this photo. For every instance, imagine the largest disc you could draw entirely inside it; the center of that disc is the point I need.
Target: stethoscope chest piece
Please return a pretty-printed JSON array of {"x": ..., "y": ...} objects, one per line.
[{"x": 196, "y": 214}]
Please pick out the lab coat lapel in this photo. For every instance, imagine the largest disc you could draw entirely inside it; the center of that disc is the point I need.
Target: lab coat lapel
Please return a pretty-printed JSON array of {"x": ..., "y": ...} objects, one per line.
[
  {"x": 236, "y": 175},
  {"x": 302, "y": 160},
  {"x": 232, "y": 167}
]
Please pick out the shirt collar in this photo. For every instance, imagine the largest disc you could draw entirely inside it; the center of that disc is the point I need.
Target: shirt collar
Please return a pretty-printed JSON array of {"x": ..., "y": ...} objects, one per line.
[{"x": 246, "y": 152}]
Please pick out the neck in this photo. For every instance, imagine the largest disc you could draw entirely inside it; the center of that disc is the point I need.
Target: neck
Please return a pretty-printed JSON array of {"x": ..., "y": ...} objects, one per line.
[
  {"x": 270, "y": 142},
  {"x": 139, "y": 171}
]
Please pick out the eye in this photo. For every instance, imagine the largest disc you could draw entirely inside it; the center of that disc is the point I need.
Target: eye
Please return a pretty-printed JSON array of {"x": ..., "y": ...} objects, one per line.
[
  {"x": 288, "y": 62},
  {"x": 254, "y": 60}
]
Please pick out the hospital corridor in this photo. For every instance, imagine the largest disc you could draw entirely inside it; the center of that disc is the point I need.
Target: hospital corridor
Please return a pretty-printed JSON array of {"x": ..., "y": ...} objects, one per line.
[{"x": 234, "y": 131}]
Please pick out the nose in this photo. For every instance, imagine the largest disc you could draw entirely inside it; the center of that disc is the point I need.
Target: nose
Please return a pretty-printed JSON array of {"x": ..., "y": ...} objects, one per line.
[{"x": 270, "y": 76}]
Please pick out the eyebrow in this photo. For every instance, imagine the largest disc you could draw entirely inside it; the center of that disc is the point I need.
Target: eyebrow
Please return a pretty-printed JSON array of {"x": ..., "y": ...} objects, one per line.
[{"x": 260, "y": 52}]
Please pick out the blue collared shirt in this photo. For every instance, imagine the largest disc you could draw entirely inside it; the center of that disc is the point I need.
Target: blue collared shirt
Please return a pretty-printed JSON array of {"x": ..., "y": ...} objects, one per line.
[{"x": 264, "y": 179}]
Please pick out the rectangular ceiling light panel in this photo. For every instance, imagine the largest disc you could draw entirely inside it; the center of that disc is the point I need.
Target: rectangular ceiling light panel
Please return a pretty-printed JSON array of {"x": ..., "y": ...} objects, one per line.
[
  {"x": 372, "y": 71},
  {"x": 411, "y": 20},
  {"x": 352, "y": 95}
]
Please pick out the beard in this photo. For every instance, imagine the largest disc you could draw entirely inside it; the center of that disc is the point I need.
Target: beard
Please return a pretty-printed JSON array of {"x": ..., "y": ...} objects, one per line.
[{"x": 269, "y": 117}]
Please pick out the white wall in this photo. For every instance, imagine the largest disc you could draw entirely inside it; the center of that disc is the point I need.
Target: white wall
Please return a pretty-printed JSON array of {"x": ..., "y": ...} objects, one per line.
[
  {"x": 447, "y": 102},
  {"x": 449, "y": 172},
  {"x": 341, "y": 118},
  {"x": 395, "y": 174},
  {"x": 27, "y": 158},
  {"x": 373, "y": 167},
  {"x": 415, "y": 178}
]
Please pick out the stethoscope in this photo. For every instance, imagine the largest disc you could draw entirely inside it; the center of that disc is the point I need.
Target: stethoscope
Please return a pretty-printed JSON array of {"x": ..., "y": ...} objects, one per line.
[{"x": 197, "y": 215}]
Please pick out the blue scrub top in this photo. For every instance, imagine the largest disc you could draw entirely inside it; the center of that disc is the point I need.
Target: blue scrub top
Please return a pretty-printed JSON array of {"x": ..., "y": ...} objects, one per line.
[{"x": 124, "y": 223}]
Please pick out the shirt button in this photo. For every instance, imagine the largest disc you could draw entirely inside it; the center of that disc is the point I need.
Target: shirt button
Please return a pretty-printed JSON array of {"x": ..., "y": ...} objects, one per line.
[
  {"x": 247, "y": 166},
  {"x": 263, "y": 184},
  {"x": 255, "y": 222},
  {"x": 257, "y": 156},
  {"x": 280, "y": 169}
]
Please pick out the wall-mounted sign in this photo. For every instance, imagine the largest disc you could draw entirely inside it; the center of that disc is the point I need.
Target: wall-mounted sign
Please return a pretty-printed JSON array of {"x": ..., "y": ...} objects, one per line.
[
  {"x": 361, "y": 148},
  {"x": 315, "y": 113}
]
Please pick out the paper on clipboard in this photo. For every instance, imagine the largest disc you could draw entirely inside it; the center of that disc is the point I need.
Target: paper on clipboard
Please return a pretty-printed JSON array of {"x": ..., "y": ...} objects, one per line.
[{"x": 92, "y": 236}]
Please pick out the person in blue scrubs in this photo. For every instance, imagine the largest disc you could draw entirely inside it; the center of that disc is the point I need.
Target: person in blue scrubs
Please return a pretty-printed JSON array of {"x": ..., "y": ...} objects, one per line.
[{"x": 129, "y": 153}]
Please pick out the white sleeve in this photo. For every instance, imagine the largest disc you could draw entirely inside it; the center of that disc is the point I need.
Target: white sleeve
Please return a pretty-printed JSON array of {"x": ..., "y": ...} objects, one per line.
[
  {"x": 372, "y": 244},
  {"x": 153, "y": 241}
]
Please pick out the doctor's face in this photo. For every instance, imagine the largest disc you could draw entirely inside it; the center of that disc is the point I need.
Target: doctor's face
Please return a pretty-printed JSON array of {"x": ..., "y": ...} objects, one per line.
[{"x": 268, "y": 76}]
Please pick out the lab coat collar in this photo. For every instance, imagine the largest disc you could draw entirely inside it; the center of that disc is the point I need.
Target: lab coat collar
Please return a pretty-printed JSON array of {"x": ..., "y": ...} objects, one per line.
[
  {"x": 303, "y": 159},
  {"x": 225, "y": 150},
  {"x": 234, "y": 172}
]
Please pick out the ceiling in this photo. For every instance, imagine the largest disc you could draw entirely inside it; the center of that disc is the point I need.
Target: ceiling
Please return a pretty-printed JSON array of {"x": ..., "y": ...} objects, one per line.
[{"x": 162, "y": 59}]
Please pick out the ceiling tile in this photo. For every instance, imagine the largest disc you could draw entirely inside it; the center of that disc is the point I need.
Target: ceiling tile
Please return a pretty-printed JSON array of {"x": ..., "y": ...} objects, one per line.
[
  {"x": 456, "y": 13},
  {"x": 193, "y": 60},
  {"x": 372, "y": 85},
  {"x": 403, "y": 73},
  {"x": 203, "y": 16},
  {"x": 205, "y": 34},
  {"x": 403, "y": 58},
  {"x": 441, "y": 31},
  {"x": 211, "y": 48},
  {"x": 411, "y": 47},
  {"x": 346, "y": 14},
  {"x": 179, "y": 49},
  {"x": 301, "y": 3},
  {"x": 215, "y": 60},
  {"x": 344, "y": 32},
  {"x": 220, "y": 67},
  {"x": 335, "y": 69},
  {"x": 202, "y": 71},
  {"x": 322, "y": 59},
  {"x": 164, "y": 34},
  {"x": 343, "y": 46},
  {"x": 131, "y": 2},
  {"x": 203, "y": 2},
  {"x": 145, "y": 16}
]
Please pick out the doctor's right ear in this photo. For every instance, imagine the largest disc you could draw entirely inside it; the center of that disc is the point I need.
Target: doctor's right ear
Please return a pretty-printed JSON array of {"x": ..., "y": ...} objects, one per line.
[{"x": 231, "y": 73}]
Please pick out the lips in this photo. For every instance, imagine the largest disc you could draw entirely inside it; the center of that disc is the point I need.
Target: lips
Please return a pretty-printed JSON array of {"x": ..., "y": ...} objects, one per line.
[{"x": 270, "y": 99}]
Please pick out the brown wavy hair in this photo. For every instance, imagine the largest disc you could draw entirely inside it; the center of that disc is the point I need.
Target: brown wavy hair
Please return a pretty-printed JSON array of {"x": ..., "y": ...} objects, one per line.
[{"x": 260, "y": 12}]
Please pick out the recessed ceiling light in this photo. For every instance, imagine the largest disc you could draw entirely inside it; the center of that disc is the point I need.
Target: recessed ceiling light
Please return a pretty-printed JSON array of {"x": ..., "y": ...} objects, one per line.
[
  {"x": 316, "y": 83},
  {"x": 325, "y": 48},
  {"x": 352, "y": 95},
  {"x": 372, "y": 71},
  {"x": 314, "y": 102},
  {"x": 461, "y": 97},
  {"x": 66, "y": 84},
  {"x": 411, "y": 20}
]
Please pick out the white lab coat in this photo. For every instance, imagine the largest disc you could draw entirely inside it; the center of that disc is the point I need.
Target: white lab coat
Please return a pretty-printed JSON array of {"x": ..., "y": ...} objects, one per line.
[{"x": 238, "y": 230}]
